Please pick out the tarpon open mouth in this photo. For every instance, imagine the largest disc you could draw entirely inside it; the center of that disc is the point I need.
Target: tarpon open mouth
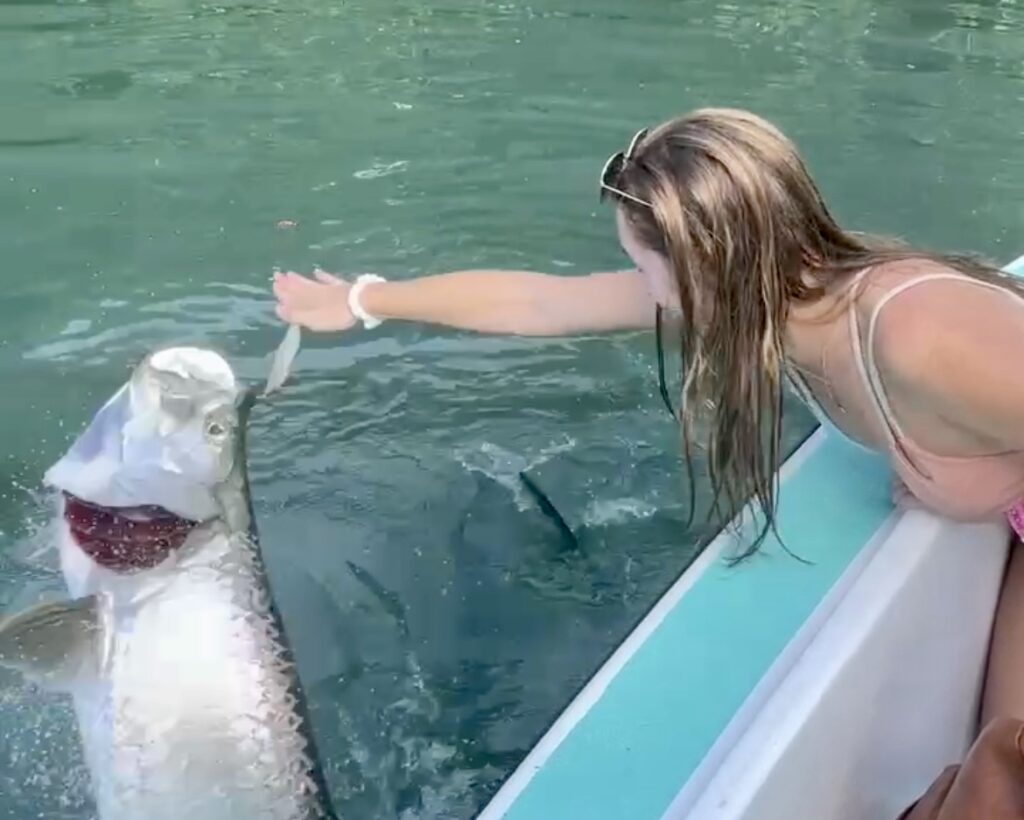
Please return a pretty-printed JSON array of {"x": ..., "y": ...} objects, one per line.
[
  {"x": 185, "y": 689},
  {"x": 125, "y": 539}
]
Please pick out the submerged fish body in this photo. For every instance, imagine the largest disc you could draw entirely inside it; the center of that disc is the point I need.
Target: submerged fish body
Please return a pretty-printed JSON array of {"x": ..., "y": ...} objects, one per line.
[{"x": 187, "y": 703}]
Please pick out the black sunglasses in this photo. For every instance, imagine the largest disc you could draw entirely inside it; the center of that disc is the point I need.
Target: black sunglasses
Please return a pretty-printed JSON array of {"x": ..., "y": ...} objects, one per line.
[{"x": 616, "y": 162}]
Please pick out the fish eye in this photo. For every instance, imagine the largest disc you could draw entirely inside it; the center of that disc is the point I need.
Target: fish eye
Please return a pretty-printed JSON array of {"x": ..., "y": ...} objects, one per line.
[{"x": 215, "y": 430}]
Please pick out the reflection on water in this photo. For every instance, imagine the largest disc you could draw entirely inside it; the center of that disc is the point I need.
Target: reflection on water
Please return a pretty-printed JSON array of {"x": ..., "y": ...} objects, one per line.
[{"x": 158, "y": 161}]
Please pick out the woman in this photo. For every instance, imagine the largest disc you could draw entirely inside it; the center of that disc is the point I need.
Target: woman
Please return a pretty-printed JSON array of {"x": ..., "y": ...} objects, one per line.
[{"x": 890, "y": 345}]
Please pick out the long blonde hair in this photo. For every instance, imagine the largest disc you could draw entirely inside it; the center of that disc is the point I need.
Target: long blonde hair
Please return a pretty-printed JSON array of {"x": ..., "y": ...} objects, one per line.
[{"x": 726, "y": 198}]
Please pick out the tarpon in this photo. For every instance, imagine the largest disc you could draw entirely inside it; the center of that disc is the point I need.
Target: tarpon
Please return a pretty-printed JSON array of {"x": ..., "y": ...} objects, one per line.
[{"x": 187, "y": 701}]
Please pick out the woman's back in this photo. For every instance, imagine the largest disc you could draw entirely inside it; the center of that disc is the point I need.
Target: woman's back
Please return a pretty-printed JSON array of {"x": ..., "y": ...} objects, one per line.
[{"x": 894, "y": 307}]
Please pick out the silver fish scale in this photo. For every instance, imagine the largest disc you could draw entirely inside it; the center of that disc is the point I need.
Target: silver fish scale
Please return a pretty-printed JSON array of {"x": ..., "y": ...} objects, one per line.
[{"x": 193, "y": 715}]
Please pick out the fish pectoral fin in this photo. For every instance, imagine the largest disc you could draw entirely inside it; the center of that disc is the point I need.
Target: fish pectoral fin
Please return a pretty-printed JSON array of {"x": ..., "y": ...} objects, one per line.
[{"x": 53, "y": 644}]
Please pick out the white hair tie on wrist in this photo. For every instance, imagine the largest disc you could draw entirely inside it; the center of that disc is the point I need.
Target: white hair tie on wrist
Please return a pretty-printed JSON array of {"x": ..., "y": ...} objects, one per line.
[{"x": 369, "y": 321}]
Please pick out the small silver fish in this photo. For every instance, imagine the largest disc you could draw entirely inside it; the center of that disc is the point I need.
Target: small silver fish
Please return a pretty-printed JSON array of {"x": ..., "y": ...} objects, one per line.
[
  {"x": 285, "y": 355},
  {"x": 172, "y": 651}
]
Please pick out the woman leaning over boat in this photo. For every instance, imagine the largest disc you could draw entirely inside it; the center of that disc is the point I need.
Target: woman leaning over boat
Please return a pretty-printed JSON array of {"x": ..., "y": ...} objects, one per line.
[{"x": 902, "y": 351}]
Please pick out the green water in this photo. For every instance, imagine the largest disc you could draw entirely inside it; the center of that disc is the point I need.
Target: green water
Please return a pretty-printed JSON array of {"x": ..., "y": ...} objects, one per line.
[{"x": 149, "y": 149}]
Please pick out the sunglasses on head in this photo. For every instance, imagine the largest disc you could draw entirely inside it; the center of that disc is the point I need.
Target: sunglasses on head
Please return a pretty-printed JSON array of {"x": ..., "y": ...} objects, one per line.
[{"x": 616, "y": 162}]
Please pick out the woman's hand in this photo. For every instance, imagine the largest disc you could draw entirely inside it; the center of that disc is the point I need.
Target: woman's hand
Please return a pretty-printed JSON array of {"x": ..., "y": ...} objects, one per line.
[{"x": 319, "y": 304}]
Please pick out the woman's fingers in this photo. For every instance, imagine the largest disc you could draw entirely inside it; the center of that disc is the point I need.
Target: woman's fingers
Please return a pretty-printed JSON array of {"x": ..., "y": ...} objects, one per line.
[{"x": 327, "y": 278}]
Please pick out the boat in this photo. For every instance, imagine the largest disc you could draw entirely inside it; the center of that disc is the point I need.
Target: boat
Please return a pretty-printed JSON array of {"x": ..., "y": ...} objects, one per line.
[{"x": 835, "y": 686}]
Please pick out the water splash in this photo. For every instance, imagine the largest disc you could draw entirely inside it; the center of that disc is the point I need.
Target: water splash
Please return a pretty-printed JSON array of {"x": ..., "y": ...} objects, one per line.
[{"x": 505, "y": 466}]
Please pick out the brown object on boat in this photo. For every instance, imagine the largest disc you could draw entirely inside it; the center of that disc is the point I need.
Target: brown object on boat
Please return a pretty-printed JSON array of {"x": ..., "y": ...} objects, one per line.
[{"x": 988, "y": 785}]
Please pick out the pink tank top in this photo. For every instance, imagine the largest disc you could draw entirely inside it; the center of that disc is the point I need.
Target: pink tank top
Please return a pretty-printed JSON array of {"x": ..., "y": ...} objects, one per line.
[{"x": 970, "y": 488}]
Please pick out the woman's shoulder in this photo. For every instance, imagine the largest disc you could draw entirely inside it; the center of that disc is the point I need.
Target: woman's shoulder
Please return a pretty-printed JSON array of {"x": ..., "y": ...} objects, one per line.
[
  {"x": 933, "y": 292},
  {"x": 929, "y": 322},
  {"x": 889, "y": 276}
]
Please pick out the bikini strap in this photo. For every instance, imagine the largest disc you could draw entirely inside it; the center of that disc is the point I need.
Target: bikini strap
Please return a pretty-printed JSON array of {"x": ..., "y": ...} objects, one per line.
[{"x": 864, "y": 353}]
